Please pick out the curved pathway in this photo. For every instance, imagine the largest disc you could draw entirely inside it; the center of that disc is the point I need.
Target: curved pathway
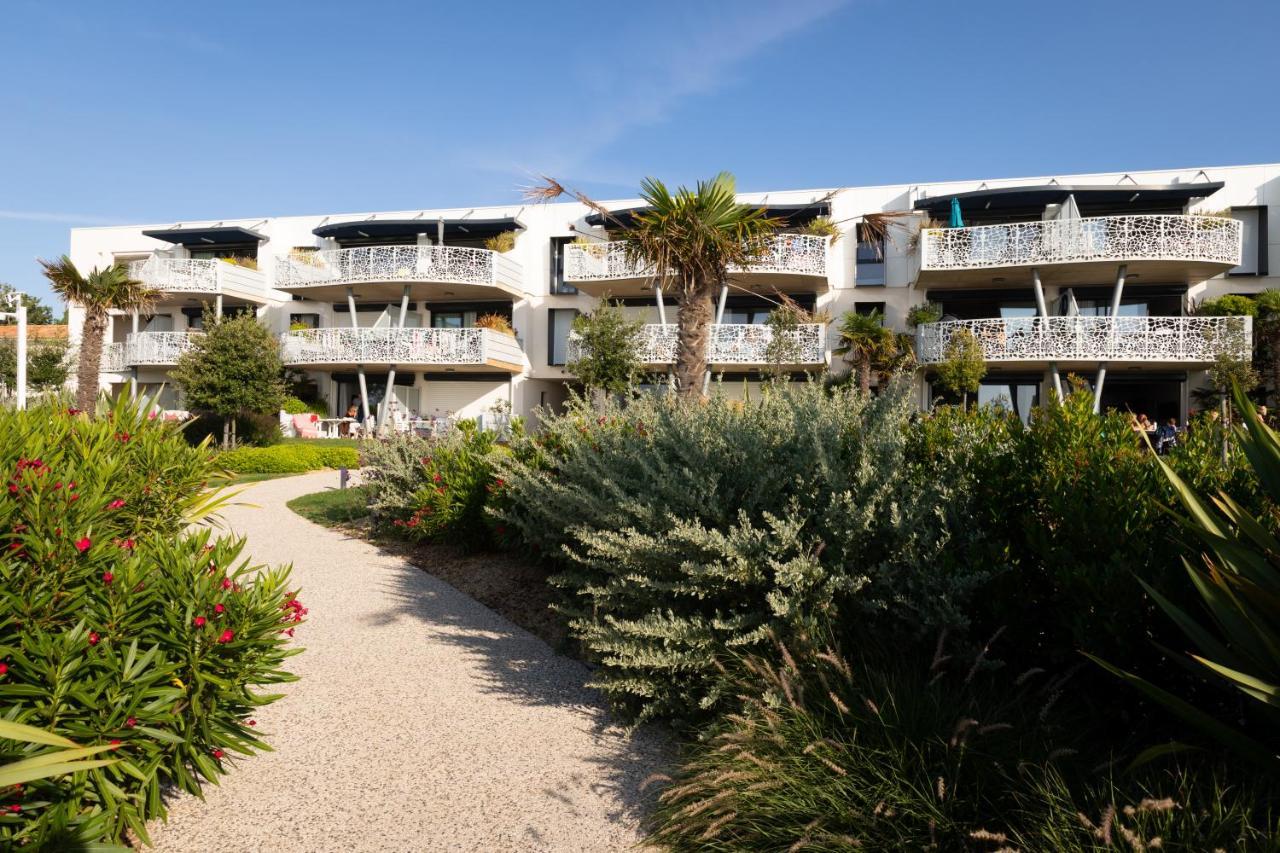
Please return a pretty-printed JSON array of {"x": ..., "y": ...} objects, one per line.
[{"x": 422, "y": 721}]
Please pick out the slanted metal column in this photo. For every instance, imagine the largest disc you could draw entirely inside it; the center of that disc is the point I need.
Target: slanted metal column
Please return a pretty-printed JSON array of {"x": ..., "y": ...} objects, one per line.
[
  {"x": 1043, "y": 311},
  {"x": 1115, "y": 310},
  {"x": 662, "y": 308},
  {"x": 364, "y": 388},
  {"x": 217, "y": 304},
  {"x": 724, "y": 296},
  {"x": 391, "y": 372}
]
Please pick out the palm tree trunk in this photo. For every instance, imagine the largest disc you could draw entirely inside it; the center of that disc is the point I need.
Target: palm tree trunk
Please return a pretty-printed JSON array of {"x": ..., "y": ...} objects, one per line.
[
  {"x": 692, "y": 336},
  {"x": 864, "y": 375},
  {"x": 90, "y": 364}
]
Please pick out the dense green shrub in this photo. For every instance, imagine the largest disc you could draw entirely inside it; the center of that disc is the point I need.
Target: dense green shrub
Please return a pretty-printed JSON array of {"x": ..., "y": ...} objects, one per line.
[
  {"x": 1073, "y": 504},
  {"x": 116, "y": 625},
  {"x": 288, "y": 458},
  {"x": 436, "y": 490},
  {"x": 296, "y": 406},
  {"x": 684, "y": 530},
  {"x": 889, "y": 750}
]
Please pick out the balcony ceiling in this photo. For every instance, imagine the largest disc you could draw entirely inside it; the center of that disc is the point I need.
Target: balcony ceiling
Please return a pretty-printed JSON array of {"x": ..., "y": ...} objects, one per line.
[
  {"x": 793, "y": 215},
  {"x": 409, "y": 229},
  {"x": 220, "y": 235},
  {"x": 1099, "y": 273},
  {"x": 1033, "y": 199}
]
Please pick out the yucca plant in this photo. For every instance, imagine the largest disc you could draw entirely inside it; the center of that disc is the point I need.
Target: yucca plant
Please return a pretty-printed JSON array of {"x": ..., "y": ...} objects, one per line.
[{"x": 1239, "y": 584}]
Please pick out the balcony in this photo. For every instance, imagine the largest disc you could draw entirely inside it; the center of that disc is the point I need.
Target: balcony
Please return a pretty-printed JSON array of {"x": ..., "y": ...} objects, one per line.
[
  {"x": 791, "y": 263},
  {"x": 381, "y": 272},
  {"x": 471, "y": 350},
  {"x": 1137, "y": 340},
  {"x": 157, "y": 349},
  {"x": 1080, "y": 251},
  {"x": 201, "y": 277},
  {"x": 734, "y": 344}
]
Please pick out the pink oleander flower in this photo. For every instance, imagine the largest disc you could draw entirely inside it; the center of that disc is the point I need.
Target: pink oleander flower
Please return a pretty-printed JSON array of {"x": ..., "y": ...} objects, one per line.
[{"x": 83, "y": 544}]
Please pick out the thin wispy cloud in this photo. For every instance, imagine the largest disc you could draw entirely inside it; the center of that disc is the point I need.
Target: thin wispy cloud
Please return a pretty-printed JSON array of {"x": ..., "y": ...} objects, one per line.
[
  {"x": 644, "y": 87},
  {"x": 61, "y": 218}
]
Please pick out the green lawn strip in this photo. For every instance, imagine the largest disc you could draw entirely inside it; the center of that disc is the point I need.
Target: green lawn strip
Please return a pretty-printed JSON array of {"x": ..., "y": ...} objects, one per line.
[
  {"x": 332, "y": 506},
  {"x": 323, "y": 442}
]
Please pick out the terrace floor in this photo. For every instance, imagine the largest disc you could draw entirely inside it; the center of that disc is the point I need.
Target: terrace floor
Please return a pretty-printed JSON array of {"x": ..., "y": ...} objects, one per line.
[{"x": 422, "y": 720}]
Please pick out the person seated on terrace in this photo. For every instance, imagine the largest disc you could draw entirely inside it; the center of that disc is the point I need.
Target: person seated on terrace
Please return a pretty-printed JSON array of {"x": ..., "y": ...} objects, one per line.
[{"x": 1167, "y": 436}]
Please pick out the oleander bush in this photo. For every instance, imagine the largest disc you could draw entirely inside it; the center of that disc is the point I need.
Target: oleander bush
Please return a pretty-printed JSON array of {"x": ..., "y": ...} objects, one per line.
[
  {"x": 288, "y": 459},
  {"x": 686, "y": 530},
  {"x": 120, "y": 626},
  {"x": 437, "y": 490},
  {"x": 886, "y": 750}
]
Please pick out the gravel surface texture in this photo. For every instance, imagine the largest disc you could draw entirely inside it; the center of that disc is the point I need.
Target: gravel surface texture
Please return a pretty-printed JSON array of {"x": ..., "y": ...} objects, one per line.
[{"x": 422, "y": 720}]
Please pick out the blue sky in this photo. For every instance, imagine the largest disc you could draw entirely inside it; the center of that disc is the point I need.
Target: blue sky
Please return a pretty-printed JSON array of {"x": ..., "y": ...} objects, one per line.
[{"x": 133, "y": 112}]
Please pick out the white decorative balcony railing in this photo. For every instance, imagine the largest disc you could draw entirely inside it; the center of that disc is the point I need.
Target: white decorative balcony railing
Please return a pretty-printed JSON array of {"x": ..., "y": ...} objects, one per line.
[
  {"x": 1154, "y": 339},
  {"x": 399, "y": 346},
  {"x": 157, "y": 348},
  {"x": 113, "y": 358},
  {"x": 1211, "y": 239},
  {"x": 802, "y": 254},
  {"x": 733, "y": 343},
  {"x": 177, "y": 274},
  {"x": 451, "y": 264},
  {"x": 200, "y": 275}
]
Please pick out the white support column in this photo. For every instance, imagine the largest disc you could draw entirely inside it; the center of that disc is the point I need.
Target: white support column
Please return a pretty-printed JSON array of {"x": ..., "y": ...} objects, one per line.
[
  {"x": 217, "y": 305},
  {"x": 364, "y": 388},
  {"x": 391, "y": 372},
  {"x": 1043, "y": 310},
  {"x": 21, "y": 311},
  {"x": 133, "y": 371},
  {"x": 662, "y": 308},
  {"x": 1115, "y": 310}
]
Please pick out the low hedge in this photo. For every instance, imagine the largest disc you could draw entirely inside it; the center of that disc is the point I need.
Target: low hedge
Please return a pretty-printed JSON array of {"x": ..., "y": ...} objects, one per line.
[{"x": 288, "y": 459}]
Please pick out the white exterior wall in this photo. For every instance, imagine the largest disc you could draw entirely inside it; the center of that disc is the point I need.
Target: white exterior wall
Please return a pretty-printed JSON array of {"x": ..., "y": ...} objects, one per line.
[{"x": 1244, "y": 186}]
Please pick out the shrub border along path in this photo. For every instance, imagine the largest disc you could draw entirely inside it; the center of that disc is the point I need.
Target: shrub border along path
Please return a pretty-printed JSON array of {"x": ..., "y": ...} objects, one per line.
[{"x": 422, "y": 720}]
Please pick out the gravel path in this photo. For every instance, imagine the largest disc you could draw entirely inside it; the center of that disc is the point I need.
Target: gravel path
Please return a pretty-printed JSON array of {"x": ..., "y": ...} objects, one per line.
[{"x": 423, "y": 720}]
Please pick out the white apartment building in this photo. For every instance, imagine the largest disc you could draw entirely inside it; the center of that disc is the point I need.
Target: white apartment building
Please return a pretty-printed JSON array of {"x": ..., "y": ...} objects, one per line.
[{"x": 1092, "y": 275}]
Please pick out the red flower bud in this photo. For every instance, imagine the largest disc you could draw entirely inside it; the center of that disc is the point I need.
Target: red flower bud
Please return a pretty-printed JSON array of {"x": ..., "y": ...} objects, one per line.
[
  {"x": 226, "y": 583},
  {"x": 93, "y": 638},
  {"x": 227, "y": 636},
  {"x": 83, "y": 543},
  {"x": 115, "y": 504},
  {"x": 217, "y": 753},
  {"x": 115, "y": 741},
  {"x": 218, "y": 608},
  {"x": 131, "y": 722},
  {"x": 199, "y": 620},
  {"x": 4, "y": 669},
  {"x": 107, "y": 577}
]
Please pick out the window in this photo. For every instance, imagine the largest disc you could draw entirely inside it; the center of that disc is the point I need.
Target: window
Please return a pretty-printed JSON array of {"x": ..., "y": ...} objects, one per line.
[
  {"x": 1253, "y": 231},
  {"x": 559, "y": 324},
  {"x": 452, "y": 319},
  {"x": 310, "y": 321},
  {"x": 870, "y": 259},
  {"x": 869, "y": 308},
  {"x": 557, "y": 266},
  {"x": 746, "y": 316},
  {"x": 1016, "y": 396}
]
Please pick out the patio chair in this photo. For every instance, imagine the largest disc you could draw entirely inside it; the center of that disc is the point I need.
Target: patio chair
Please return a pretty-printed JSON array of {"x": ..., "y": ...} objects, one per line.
[{"x": 307, "y": 426}]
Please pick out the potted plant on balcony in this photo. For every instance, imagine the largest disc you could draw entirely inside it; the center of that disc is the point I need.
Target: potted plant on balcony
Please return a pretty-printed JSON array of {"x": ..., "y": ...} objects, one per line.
[
  {"x": 501, "y": 242},
  {"x": 923, "y": 314},
  {"x": 495, "y": 322}
]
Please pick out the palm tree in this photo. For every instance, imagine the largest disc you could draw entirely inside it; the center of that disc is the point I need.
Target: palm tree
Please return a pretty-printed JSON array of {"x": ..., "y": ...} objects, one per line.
[
  {"x": 100, "y": 292},
  {"x": 865, "y": 338},
  {"x": 689, "y": 238}
]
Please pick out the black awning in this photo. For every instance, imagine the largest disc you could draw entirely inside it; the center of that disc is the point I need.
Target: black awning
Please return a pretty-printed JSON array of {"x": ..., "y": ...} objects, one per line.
[
  {"x": 383, "y": 229},
  {"x": 792, "y": 215},
  {"x": 1017, "y": 200},
  {"x": 220, "y": 235}
]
